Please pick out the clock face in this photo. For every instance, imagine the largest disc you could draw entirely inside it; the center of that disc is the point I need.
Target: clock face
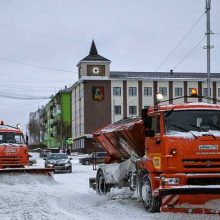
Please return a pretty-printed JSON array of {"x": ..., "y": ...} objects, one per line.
[{"x": 95, "y": 70}]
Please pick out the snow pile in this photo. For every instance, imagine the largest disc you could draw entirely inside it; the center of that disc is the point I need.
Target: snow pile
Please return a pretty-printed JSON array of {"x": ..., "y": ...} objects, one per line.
[
  {"x": 69, "y": 197},
  {"x": 25, "y": 179},
  {"x": 116, "y": 172},
  {"x": 123, "y": 193}
]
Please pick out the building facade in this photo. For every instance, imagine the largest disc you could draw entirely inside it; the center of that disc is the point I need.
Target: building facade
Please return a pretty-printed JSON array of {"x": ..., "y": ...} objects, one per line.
[
  {"x": 101, "y": 96},
  {"x": 53, "y": 121},
  {"x": 57, "y": 120},
  {"x": 35, "y": 128}
]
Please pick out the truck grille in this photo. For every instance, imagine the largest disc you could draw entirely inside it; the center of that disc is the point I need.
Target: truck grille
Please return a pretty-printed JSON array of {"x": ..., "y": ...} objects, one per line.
[
  {"x": 204, "y": 181},
  {"x": 201, "y": 163},
  {"x": 10, "y": 160}
]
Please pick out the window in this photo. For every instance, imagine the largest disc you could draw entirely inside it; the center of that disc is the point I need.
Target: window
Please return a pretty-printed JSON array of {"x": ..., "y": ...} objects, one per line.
[
  {"x": 218, "y": 91},
  {"x": 116, "y": 91},
  {"x": 178, "y": 91},
  {"x": 205, "y": 92},
  {"x": 132, "y": 110},
  {"x": 147, "y": 91},
  {"x": 163, "y": 90},
  {"x": 132, "y": 91},
  {"x": 117, "y": 110}
]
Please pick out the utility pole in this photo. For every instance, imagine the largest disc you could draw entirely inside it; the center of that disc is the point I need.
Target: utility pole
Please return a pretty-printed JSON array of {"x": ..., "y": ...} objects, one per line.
[{"x": 208, "y": 47}]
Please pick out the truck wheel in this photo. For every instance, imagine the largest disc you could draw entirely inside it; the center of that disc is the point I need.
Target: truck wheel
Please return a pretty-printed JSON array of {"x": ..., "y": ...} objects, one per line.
[
  {"x": 101, "y": 185},
  {"x": 150, "y": 202},
  {"x": 87, "y": 162}
]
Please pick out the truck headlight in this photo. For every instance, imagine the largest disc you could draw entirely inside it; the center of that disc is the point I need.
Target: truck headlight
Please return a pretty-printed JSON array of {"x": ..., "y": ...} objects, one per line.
[{"x": 172, "y": 181}]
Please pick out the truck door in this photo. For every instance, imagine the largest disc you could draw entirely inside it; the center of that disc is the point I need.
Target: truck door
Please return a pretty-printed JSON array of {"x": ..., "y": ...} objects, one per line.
[{"x": 153, "y": 143}]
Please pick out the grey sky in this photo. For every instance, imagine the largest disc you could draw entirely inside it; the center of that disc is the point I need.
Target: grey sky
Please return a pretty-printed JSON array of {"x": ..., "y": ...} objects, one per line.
[{"x": 136, "y": 35}]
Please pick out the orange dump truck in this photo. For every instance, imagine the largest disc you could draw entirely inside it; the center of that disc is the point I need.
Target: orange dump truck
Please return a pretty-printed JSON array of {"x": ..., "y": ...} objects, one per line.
[
  {"x": 170, "y": 157},
  {"x": 14, "y": 156}
]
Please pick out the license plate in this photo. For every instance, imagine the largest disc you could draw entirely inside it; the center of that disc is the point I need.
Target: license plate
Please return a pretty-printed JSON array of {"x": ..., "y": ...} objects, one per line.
[
  {"x": 10, "y": 150},
  {"x": 208, "y": 147}
]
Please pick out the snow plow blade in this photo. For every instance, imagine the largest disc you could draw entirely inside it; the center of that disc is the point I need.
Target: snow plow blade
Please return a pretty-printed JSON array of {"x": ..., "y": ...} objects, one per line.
[
  {"x": 37, "y": 171},
  {"x": 197, "y": 190},
  {"x": 193, "y": 199}
]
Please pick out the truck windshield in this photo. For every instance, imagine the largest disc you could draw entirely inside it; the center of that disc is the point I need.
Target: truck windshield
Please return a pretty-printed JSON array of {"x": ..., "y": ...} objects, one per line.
[
  {"x": 192, "y": 120},
  {"x": 11, "y": 138}
]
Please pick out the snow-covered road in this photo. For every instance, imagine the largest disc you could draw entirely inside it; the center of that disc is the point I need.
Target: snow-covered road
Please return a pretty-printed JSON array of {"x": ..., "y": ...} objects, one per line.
[{"x": 68, "y": 197}]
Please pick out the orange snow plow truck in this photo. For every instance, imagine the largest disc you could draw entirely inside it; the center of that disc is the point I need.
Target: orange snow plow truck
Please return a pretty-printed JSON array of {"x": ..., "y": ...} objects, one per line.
[
  {"x": 14, "y": 155},
  {"x": 170, "y": 158}
]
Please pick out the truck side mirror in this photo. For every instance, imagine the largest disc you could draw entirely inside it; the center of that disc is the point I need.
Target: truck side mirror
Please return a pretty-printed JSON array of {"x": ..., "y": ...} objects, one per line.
[
  {"x": 26, "y": 139},
  {"x": 147, "y": 121},
  {"x": 149, "y": 133}
]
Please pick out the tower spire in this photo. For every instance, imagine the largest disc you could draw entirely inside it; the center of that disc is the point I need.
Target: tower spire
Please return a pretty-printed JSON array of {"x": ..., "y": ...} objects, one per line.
[{"x": 93, "y": 50}]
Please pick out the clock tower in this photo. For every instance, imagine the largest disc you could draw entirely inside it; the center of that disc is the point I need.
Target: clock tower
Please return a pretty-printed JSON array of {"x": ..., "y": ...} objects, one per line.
[{"x": 94, "y": 64}]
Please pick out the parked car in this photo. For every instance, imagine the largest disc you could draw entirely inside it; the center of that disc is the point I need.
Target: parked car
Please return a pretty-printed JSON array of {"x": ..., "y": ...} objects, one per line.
[
  {"x": 96, "y": 157},
  {"x": 32, "y": 160},
  {"x": 59, "y": 161},
  {"x": 44, "y": 153}
]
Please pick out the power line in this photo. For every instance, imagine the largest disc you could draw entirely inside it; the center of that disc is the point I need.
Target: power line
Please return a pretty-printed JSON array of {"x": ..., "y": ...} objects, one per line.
[
  {"x": 24, "y": 98},
  {"x": 189, "y": 53},
  {"x": 36, "y": 66},
  {"x": 3, "y": 86},
  {"x": 180, "y": 42},
  {"x": 19, "y": 104},
  {"x": 36, "y": 82}
]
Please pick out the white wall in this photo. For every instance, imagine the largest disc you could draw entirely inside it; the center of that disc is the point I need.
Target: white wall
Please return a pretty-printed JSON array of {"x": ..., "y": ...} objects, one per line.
[{"x": 78, "y": 111}]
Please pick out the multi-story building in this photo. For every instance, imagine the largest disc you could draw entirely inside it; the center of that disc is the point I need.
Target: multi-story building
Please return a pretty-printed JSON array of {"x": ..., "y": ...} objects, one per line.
[
  {"x": 54, "y": 121},
  {"x": 57, "y": 119},
  {"x": 35, "y": 128},
  {"x": 101, "y": 96}
]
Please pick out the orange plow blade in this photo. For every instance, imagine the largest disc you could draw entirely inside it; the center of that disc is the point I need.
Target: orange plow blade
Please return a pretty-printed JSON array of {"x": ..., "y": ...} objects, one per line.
[
  {"x": 202, "y": 200},
  {"x": 37, "y": 171}
]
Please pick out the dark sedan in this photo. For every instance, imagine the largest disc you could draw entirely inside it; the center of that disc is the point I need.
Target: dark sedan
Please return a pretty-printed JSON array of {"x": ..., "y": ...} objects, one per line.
[
  {"x": 96, "y": 157},
  {"x": 59, "y": 161}
]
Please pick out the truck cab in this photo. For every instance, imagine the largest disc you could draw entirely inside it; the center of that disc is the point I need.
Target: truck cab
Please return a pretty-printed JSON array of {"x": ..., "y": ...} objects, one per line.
[
  {"x": 13, "y": 149},
  {"x": 182, "y": 154}
]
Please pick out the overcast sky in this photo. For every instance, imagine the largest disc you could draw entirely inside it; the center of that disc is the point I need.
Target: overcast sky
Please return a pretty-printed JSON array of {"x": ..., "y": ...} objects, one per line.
[{"x": 136, "y": 35}]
